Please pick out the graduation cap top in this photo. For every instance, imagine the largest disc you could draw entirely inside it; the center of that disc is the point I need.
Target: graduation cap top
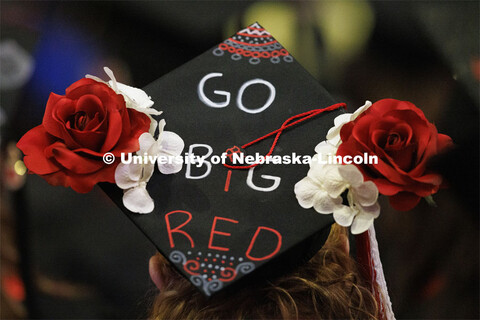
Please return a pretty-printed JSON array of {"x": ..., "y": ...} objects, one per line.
[
  {"x": 216, "y": 224},
  {"x": 219, "y": 224}
]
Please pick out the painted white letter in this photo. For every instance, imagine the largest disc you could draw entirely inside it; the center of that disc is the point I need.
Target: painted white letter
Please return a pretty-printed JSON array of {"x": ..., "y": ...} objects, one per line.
[
  {"x": 206, "y": 100},
  {"x": 207, "y": 163},
  {"x": 276, "y": 181},
  {"x": 267, "y": 104}
]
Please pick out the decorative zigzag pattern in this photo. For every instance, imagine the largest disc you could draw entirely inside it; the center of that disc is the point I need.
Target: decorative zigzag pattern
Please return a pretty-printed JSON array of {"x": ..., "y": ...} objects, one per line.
[{"x": 254, "y": 43}]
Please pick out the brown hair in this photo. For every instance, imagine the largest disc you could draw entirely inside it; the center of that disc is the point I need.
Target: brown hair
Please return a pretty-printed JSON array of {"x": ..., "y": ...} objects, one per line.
[{"x": 326, "y": 287}]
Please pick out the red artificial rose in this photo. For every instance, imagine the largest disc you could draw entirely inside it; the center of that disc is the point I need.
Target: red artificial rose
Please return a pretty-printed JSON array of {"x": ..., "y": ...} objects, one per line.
[
  {"x": 77, "y": 130},
  {"x": 404, "y": 141}
]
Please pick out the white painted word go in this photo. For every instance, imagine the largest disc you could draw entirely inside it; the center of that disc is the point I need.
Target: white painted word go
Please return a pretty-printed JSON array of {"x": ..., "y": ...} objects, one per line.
[{"x": 210, "y": 103}]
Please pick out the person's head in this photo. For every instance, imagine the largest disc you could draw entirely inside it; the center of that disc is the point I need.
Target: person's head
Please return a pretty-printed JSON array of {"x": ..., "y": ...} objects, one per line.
[{"x": 326, "y": 287}]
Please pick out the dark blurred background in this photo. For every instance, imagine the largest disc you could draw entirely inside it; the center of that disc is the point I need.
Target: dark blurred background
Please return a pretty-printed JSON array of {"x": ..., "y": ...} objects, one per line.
[{"x": 65, "y": 255}]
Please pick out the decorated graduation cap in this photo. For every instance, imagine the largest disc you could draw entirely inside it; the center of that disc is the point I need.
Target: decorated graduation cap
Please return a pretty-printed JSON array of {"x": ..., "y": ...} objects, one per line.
[
  {"x": 232, "y": 193},
  {"x": 218, "y": 220}
]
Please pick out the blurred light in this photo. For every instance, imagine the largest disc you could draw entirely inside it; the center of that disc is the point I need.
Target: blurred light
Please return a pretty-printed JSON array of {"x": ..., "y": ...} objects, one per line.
[
  {"x": 13, "y": 287},
  {"x": 346, "y": 27},
  {"x": 475, "y": 65},
  {"x": 282, "y": 19},
  {"x": 20, "y": 168},
  {"x": 16, "y": 65},
  {"x": 64, "y": 54}
]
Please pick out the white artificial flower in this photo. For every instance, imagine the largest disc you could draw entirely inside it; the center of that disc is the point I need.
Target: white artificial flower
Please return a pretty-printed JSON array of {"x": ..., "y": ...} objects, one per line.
[
  {"x": 324, "y": 184},
  {"x": 133, "y": 177},
  {"x": 324, "y": 150},
  {"x": 310, "y": 192},
  {"x": 170, "y": 145},
  {"x": 333, "y": 135},
  {"x": 135, "y": 98},
  {"x": 362, "y": 197}
]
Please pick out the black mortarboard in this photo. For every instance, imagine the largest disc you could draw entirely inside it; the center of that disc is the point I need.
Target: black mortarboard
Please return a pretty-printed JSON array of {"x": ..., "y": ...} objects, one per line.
[{"x": 218, "y": 225}]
